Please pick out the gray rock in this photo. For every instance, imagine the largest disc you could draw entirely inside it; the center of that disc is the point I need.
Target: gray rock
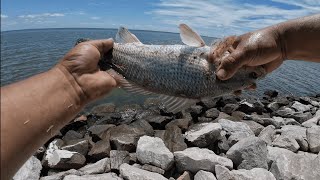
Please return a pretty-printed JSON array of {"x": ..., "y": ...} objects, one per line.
[
  {"x": 53, "y": 146},
  {"x": 61, "y": 175},
  {"x": 144, "y": 125},
  {"x": 223, "y": 142},
  {"x": 204, "y": 119},
  {"x": 308, "y": 100},
  {"x": 298, "y": 133},
  {"x": 185, "y": 176},
  {"x": 238, "y": 115},
  {"x": 301, "y": 117},
  {"x": 284, "y": 112},
  {"x": 223, "y": 115},
  {"x": 255, "y": 127},
  {"x": 118, "y": 157},
  {"x": 111, "y": 176},
  {"x": 243, "y": 174},
  {"x": 71, "y": 136},
  {"x": 153, "y": 169},
  {"x": 274, "y": 106},
  {"x": 63, "y": 159},
  {"x": 104, "y": 108},
  {"x": 249, "y": 153},
  {"x": 277, "y": 122},
  {"x": 203, "y": 134},
  {"x": 174, "y": 139},
  {"x": 195, "y": 159},
  {"x": 204, "y": 175},
  {"x": 101, "y": 166},
  {"x": 286, "y": 142},
  {"x": 152, "y": 150},
  {"x": 80, "y": 147},
  {"x": 30, "y": 170},
  {"x": 209, "y": 102},
  {"x": 236, "y": 130},
  {"x": 313, "y": 136},
  {"x": 158, "y": 122},
  {"x": 183, "y": 124},
  {"x": 132, "y": 173},
  {"x": 291, "y": 121},
  {"x": 125, "y": 137},
  {"x": 229, "y": 108},
  {"x": 301, "y": 107},
  {"x": 100, "y": 149},
  {"x": 313, "y": 121},
  {"x": 196, "y": 109},
  {"x": 212, "y": 113},
  {"x": 267, "y": 134},
  {"x": 288, "y": 165},
  {"x": 100, "y": 129}
]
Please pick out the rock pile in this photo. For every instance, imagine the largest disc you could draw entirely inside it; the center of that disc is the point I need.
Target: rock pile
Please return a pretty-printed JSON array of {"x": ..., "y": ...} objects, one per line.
[{"x": 222, "y": 138}]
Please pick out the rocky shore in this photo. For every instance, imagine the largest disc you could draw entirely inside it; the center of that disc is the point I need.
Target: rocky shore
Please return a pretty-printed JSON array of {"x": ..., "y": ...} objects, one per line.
[{"x": 225, "y": 138}]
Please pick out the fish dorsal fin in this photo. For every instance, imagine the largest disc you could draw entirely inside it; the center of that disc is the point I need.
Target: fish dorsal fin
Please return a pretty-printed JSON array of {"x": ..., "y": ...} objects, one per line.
[
  {"x": 190, "y": 37},
  {"x": 175, "y": 104},
  {"x": 126, "y": 85},
  {"x": 124, "y": 36}
]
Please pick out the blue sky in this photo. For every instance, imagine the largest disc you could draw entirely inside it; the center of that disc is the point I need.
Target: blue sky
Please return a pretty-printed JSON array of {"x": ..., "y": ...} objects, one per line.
[{"x": 209, "y": 17}]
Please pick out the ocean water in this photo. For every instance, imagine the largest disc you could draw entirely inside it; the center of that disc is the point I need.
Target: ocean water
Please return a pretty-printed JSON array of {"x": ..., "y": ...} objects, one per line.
[{"x": 28, "y": 52}]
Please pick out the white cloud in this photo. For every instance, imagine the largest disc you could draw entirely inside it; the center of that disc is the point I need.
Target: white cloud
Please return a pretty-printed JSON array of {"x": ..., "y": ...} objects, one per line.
[
  {"x": 95, "y": 18},
  {"x": 43, "y": 15},
  {"x": 226, "y": 17},
  {"x": 3, "y": 16}
]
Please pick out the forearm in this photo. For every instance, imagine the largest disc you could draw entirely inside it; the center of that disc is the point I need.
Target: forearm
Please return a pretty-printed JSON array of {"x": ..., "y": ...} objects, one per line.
[
  {"x": 32, "y": 111},
  {"x": 300, "y": 38}
]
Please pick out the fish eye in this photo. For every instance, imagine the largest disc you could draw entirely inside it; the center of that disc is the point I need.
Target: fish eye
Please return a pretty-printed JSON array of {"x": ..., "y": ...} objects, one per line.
[{"x": 194, "y": 57}]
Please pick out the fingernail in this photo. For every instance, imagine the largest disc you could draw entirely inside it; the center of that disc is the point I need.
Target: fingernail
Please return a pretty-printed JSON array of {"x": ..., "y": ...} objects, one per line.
[{"x": 221, "y": 74}]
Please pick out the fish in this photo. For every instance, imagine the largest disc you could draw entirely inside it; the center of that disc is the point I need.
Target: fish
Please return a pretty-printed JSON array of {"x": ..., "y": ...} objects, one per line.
[{"x": 181, "y": 75}]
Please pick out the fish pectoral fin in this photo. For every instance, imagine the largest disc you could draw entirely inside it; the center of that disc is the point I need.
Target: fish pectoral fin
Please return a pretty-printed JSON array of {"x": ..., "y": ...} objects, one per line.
[
  {"x": 175, "y": 104},
  {"x": 125, "y": 36},
  {"x": 126, "y": 85},
  {"x": 190, "y": 37}
]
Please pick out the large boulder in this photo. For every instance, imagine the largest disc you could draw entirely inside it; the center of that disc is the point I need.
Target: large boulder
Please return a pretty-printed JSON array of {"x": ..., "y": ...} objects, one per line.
[
  {"x": 30, "y": 170},
  {"x": 204, "y": 175},
  {"x": 267, "y": 134},
  {"x": 300, "y": 107},
  {"x": 132, "y": 173},
  {"x": 286, "y": 142},
  {"x": 203, "y": 134},
  {"x": 100, "y": 149},
  {"x": 173, "y": 138},
  {"x": 313, "y": 136},
  {"x": 224, "y": 173},
  {"x": 249, "y": 153},
  {"x": 298, "y": 133},
  {"x": 117, "y": 158},
  {"x": 152, "y": 150},
  {"x": 195, "y": 159}
]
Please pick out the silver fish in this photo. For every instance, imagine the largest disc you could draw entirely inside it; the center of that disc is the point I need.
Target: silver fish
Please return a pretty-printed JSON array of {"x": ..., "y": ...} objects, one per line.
[{"x": 180, "y": 74}]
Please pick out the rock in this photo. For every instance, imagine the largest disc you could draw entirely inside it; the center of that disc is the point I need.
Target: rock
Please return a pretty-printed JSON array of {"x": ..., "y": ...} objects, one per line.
[
  {"x": 40, "y": 152},
  {"x": 152, "y": 150},
  {"x": 101, "y": 166},
  {"x": 203, "y": 134},
  {"x": 104, "y": 108},
  {"x": 273, "y": 106},
  {"x": 132, "y": 173},
  {"x": 153, "y": 169},
  {"x": 301, "y": 107},
  {"x": 53, "y": 146},
  {"x": 249, "y": 153},
  {"x": 185, "y": 176},
  {"x": 183, "y": 124},
  {"x": 204, "y": 119},
  {"x": 204, "y": 175},
  {"x": 229, "y": 108},
  {"x": 173, "y": 139},
  {"x": 255, "y": 127},
  {"x": 209, "y": 102},
  {"x": 71, "y": 136},
  {"x": 291, "y": 121},
  {"x": 288, "y": 165},
  {"x": 277, "y": 122},
  {"x": 313, "y": 121},
  {"x": 63, "y": 159},
  {"x": 282, "y": 101},
  {"x": 212, "y": 113},
  {"x": 151, "y": 103},
  {"x": 301, "y": 117},
  {"x": 127, "y": 107},
  {"x": 111, "y": 176},
  {"x": 125, "y": 137},
  {"x": 298, "y": 133},
  {"x": 196, "y": 110},
  {"x": 236, "y": 130},
  {"x": 223, "y": 143},
  {"x": 158, "y": 122},
  {"x": 99, "y": 130},
  {"x": 238, "y": 115},
  {"x": 80, "y": 147},
  {"x": 133, "y": 158},
  {"x": 30, "y": 170},
  {"x": 313, "y": 136},
  {"x": 61, "y": 175},
  {"x": 271, "y": 93},
  {"x": 267, "y": 134},
  {"x": 118, "y": 157},
  {"x": 227, "y": 99},
  {"x": 308, "y": 100},
  {"x": 143, "y": 125},
  {"x": 100, "y": 149},
  {"x": 284, "y": 112},
  {"x": 195, "y": 159},
  {"x": 286, "y": 142},
  {"x": 224, "y": 173}
]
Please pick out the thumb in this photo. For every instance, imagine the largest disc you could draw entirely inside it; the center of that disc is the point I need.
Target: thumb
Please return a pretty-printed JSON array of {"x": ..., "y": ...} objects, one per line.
[{"x": 230, "y": 64}]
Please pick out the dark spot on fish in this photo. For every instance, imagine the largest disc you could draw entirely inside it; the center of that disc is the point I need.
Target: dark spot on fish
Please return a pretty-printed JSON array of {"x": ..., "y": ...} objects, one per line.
[{"x": 194, "y": 57}]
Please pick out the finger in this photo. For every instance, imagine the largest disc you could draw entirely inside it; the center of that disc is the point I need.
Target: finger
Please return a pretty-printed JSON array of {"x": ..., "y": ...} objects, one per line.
[
  {"x": 271, "y": 66},
  {"x": 230, "y": 64},
  {"x": 103, "y": 45}
]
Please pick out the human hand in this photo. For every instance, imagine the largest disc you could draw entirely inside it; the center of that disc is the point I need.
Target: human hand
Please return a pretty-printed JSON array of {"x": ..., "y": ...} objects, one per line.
[
  {"x": 81, "y": 63},
  {"x": 256, "y": 48}
]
